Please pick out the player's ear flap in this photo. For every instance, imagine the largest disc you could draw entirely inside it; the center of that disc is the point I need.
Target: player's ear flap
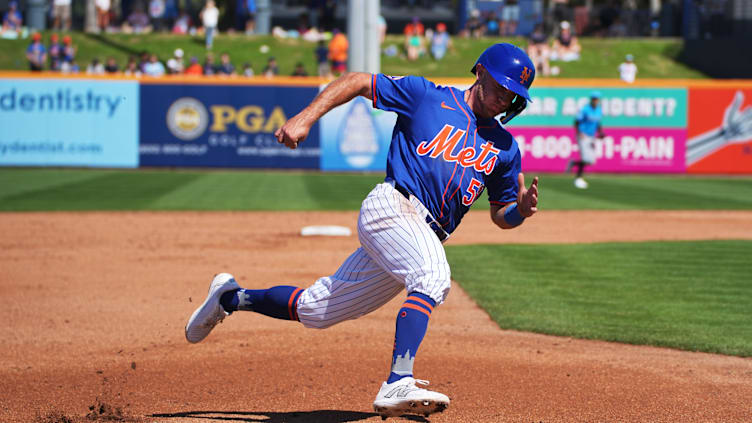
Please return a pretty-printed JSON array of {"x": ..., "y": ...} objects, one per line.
[{"x": 518, "y": 105}]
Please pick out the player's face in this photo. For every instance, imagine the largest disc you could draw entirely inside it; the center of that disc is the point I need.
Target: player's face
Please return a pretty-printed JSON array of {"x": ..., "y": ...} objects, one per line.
[{"x": 494, "y": 99}]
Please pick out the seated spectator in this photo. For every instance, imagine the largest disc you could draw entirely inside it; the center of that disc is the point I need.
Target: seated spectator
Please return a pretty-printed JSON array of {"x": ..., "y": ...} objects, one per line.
[
  {"x": 338, "y": 52},
  {"x": 226, "y": 67},
  {"x": 36, "y": 53},
  {"x": 154, "y": 67},
  {"x": 628, "y": 69},
  {"x": 440, "y": 41},
  {"x": 132, "y": 68},
  {"x": 566, "y": 46},
  {"x": 412, "y": 26},
  {"x": 247, "y": 70},
  {"x": 137, "y": 22},
  {"x": 70, "y": 67},
  {"x": 271, "y": 70},
  {"x": 12, "y": 20},
  {"x": 183, "y": 24},
  {"x": 175, "y": 64},
  {"x": 299, "y": 70},
  {"x": 56, "y": 53},
  {"x": 210, "y": 68},
  {"x": 194, "y": 68},
  {"x": 143, "y": 60},
  {"x": 95, "y": 67},
  {"x": 510, "y": 16},
  {"x": 103, "y": 13},
  {"x": 111, "y": 66},
  {"x": 322, "y": 59},
  {"x": 538, "y": 50}
]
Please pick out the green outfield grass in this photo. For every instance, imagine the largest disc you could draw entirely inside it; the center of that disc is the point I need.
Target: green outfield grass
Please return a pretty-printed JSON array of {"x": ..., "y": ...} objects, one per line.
[
  {"x": 90, "y": 189},
  {"x": 655, "y": 57},
  {"x": 689, "y": 295}
]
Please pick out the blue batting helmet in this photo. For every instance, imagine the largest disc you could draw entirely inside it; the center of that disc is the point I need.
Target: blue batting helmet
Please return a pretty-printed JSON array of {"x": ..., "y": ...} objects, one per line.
[{"x": 509, "y": 66}]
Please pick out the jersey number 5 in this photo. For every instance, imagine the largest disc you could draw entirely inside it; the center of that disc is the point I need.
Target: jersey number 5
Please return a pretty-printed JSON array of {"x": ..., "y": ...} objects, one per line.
[{"x": 475, "y": 188}]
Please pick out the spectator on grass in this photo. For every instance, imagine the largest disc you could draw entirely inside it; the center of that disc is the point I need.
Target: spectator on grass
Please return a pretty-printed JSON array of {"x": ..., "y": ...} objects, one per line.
[
  {"x": 183, "y": 24},
  {"x": 103, "y": 13},
  {"x": 157, "y": 14},
  {"x": 440, "y": 41},
  {"x": 209, "y": 18},
  {"x": 95, "y": 67},
  {"x": 271, "y": 70},
  {"x": 175, "y": 64},
  {"x": 566, "y": 46},
  {"x": 194, "y": 68},
  {"x": 226, "y": 68},
  {"x": 246, "y": 16},
  {"x": 414, "y": 45},
  {"x": 69, "y": 50},
  {"x": 137, "y": 22},
  {"x": 414, "y": 25},
  {"x": 299, "y": 70},
  {"x": 56, "y": 53},
  {"x": 510, "y": 16},
  {"x": 628, "y": 69},
  {"x": 12, "y": 20},
  {"x": 322, "y": 60},
  {"x": 338, "y": 52},
  {"x": 154, "y": 67},
  {"x": 61, "y": 15},
  {"x": 36, "y": 53},
  {"x": 111, "y": 66},
  {"x": 538, "y": 50}
]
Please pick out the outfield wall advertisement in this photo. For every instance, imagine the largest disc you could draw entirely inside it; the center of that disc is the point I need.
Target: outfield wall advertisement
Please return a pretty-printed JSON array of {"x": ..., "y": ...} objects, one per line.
[
  {"x": 223, "y": 126},
  {"x": 68, "y": 122}
]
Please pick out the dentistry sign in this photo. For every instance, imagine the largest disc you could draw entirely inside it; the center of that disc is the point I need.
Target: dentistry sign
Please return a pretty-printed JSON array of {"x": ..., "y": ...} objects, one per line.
[{"x": 69, "y": 122}]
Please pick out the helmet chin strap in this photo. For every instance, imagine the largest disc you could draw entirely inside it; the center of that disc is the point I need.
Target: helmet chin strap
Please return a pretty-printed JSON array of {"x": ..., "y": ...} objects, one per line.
[{"x": 518, "y": 105}]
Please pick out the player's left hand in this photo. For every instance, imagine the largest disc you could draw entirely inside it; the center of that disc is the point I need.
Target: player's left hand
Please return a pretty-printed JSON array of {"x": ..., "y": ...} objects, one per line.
[{"x": 527, "y": 198}]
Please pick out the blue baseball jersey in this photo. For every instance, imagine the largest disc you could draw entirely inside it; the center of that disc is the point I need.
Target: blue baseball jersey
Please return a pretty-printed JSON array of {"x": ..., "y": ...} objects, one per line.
[
  {"x": 588, "y": 119},
  {"x": 441, "y": 152}
]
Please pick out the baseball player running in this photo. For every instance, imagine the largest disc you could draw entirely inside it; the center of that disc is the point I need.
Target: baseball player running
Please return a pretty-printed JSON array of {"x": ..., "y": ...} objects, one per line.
[
  {"x": 446, "y": 149},
  {"x": 587, "y": 127}
]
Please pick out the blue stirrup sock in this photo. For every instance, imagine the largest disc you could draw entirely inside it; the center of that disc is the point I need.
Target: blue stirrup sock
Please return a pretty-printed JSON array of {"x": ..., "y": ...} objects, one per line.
[
  {"x": 412, "y": 322},
  {"x": 280, "y": 302}
]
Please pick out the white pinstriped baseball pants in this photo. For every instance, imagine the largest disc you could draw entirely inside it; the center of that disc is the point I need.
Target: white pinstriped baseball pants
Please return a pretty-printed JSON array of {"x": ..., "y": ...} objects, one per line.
[{"x": 398, "y": 251}]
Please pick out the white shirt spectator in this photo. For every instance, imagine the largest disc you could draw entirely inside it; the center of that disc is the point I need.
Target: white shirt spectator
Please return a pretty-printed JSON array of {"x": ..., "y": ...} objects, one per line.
[
  {"x": 61, "y": 2},
  {"x": 628, "y": 70},
  {"x": 103, "y": 4},
  {"x": 210, "y": 17}
]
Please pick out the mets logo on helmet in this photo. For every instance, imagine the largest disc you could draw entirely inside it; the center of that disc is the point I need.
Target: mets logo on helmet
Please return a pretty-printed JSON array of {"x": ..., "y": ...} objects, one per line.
[{"x": 525, "y": 75}]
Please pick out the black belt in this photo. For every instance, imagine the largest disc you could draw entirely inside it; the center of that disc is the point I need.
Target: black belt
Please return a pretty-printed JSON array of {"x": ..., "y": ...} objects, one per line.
[{"x": 438, "y": 230}]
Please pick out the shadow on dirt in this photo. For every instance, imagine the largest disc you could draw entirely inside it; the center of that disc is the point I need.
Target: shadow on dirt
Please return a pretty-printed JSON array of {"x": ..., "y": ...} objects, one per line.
[{"x": 316, "y": 416}]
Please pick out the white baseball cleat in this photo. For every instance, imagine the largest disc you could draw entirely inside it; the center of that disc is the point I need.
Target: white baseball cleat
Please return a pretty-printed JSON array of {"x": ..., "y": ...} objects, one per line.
[
  {"x": 210, "y": 313},
  {"x": 403, "y": 397},
  {"x": 580, "y": 183}
]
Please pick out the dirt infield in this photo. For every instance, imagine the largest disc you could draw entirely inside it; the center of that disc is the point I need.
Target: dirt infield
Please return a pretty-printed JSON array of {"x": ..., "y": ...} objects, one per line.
[{"x": 94, "y": 304}]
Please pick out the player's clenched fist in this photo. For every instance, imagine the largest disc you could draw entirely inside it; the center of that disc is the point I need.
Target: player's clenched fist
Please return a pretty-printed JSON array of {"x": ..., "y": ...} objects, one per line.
[{"x": 294, "y": 131}]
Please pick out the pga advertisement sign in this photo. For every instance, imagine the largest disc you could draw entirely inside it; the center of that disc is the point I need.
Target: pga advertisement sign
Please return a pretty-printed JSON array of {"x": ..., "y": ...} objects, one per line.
[{"x": 223, "y": 126}]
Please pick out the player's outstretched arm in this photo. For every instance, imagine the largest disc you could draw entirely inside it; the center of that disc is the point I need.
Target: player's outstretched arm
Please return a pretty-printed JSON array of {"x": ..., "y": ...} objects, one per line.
[
  {"x": 340, "y": 91},
  {"x": 512, "y": 215}
]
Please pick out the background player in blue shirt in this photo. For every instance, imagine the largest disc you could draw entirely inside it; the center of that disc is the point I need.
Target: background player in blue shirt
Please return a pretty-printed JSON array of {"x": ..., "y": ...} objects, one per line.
[
  {"x": 587, "y": 127},
  {"x": 446, "y": 149}
]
